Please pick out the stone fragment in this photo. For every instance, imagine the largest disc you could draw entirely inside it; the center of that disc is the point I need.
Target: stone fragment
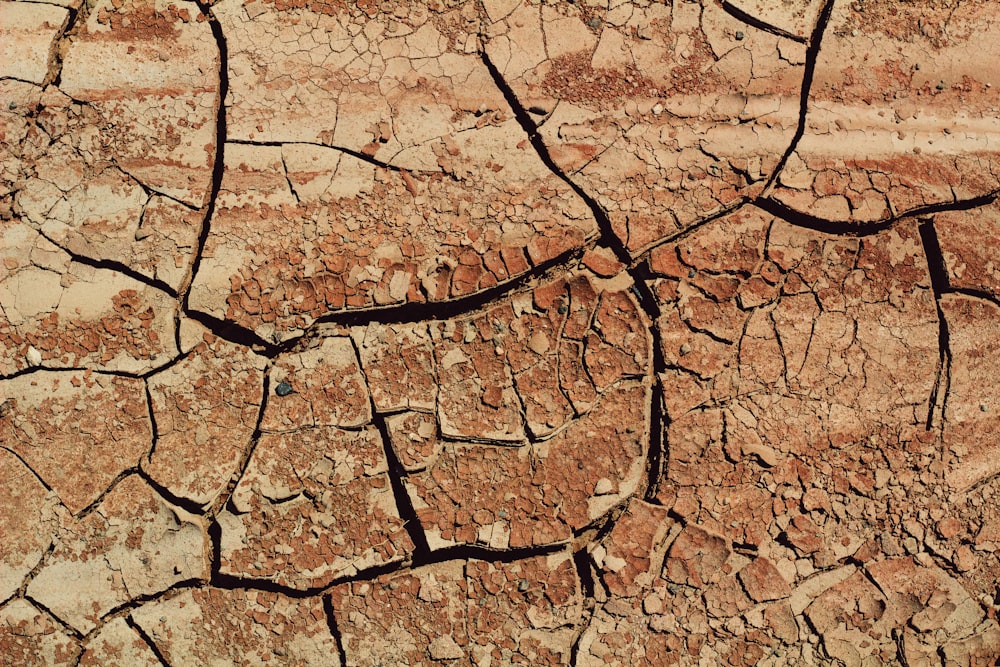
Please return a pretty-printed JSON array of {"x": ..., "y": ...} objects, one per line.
[
  {"x": 325, "y": 387},
  {"x": 132, "y": 544},
  {"x": 519, "y": 612},
  {"x": 27, "y": 517},
  {"x": 659, "y": 112},
  {"x": 117, "y": 643},
  {"x": 242, "y": 626},
  {"x": 206, "y": 409},
  {"x": 696, "y": 558},
  {"x": 74, "y": 314},
  {"x": 32, "y": 637},
  {"x": 76, "y": 431},
  {"x": 29, "y": 34},
  {"x": 909, "y": 127},
  {"x": 314, "y": 505}
]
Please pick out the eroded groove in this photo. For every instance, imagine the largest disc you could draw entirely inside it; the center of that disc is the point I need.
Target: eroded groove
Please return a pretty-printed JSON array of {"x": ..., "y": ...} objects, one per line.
[
  {"x": 939, "y": 284},
  {"x": 812, "y": 56},
  {"x": 608, "y": 236},
  {"x": 755, "y": 22}
]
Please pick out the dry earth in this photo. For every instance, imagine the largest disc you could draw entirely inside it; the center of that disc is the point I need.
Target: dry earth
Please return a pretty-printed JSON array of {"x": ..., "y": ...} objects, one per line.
[{"x": 606, "y": 332}]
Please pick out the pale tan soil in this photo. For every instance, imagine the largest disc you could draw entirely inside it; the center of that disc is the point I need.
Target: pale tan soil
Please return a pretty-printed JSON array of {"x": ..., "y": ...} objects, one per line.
[{"x": 499, "y": 332}]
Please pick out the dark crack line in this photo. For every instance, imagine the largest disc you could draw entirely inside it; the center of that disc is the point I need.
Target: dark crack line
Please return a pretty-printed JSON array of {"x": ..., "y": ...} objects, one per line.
[
  {"x": 69, "y": 629},
  {"x": 331, "y": 621},
  {"x": 138, "y": 601},
  {"x": 26, "y": 465},
  {"x": 146, "y": 638},
  {"x": 812, "y": 57},
  {"x": 113, "y": 265},
  {"x": 215, "y": 506},
  {"x": 860, "y": 229},
  {"x": 939, "y": 284},
  {"x": 92, "y": 507},
  {"x": 404, "y": 506},
  {"x": 364, "y": 157},
  {"x": 186, "y": 504},
  {"x": 416, "y": 313},
  {"x": 655, "y": 454},
  {"x": 755, "y": 22},
  {"x": 218, "y": 166},
  {"x": 233, "y": 333},
  {"x": 608, "y": 236}
]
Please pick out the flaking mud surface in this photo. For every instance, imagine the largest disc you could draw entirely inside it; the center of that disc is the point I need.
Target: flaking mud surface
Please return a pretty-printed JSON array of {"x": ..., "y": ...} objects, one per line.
[{"x": 499, "y": 332}]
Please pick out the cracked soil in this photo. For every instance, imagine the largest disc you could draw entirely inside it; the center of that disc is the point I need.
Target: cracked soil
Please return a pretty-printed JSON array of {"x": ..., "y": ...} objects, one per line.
[{"x": 495, "y": 332}]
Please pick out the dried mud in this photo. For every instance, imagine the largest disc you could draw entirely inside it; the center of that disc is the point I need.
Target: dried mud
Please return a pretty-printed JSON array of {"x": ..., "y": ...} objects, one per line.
[{"x": 499, "y": 332}]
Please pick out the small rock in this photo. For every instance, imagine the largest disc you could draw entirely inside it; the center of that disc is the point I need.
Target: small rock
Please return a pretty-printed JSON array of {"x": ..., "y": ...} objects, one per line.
[
  {"x": 33, "y": 356},
  {"x": 283, "y": 389}
]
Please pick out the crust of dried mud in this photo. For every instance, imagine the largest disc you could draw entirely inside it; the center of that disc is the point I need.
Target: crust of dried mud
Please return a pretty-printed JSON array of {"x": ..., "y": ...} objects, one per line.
[{"x": 499, "y": 332}]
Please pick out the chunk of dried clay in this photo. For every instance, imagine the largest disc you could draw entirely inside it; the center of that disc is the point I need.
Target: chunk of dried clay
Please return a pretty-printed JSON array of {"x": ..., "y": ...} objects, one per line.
[
  {"x": 77, "y": 431},
  {"x": 74, "y": 314},
  {"x": 659, "y": 112},
  {"x": 219, "y": 626},
  {"x": 133, "y": 544},
  {"x": 27, "y": 521},
  {"x": 206, "y": 409},
  {"x": 29, "y": 636},
  {"x": 907, "y": 129},
  {"x": 314, "y": 505}
]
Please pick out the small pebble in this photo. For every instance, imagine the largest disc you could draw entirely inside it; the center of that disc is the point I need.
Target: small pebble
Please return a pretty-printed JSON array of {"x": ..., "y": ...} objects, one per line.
[
  {"x": 283, "y": 389},
  {"x": 739, "y": 35}
]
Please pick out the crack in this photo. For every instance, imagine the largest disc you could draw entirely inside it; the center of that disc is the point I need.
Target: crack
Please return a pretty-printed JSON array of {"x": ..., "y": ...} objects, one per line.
[
  {"x": 848, "y": 228},
  {"x": 417, "y": 312},
  {"x": 137, "y": 601},
  {"x": 215, "y": 506},
  {"x": 939, "y": 284},
  {"x": 186, "y": 504},
  {"x": 364, "y": 157},
  {"x": 22, "y": 590},
  {"x": 234, "y": 333},
  {"x": 112, "y": 265},
  {"x": 92, "y": 507},
  {"x": 331, "y": 621},
  {"x": 658, "y": 421},
  {"x": 69, "y": 629},
  {"x": 218, "y": 166},
  {"x": 28, "y": 467},
  {"x": 146, "y": 638},
  {"x": 812, "y": 57},
  {"x": 608, "y": 236},
  {"x": 755, "y": 22},
  {"x": 404, "y": 506}
]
